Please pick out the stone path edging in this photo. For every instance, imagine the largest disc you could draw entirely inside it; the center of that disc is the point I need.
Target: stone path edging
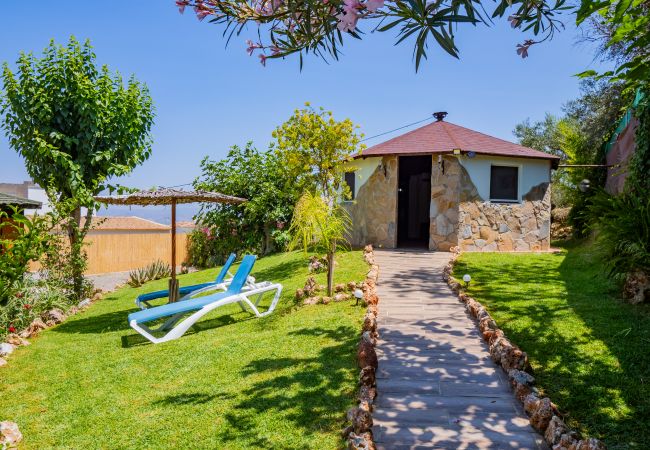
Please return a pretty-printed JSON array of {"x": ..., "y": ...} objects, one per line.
[
  {"x": 359, "y": 433},
  {"x": 543, "y": 414}
]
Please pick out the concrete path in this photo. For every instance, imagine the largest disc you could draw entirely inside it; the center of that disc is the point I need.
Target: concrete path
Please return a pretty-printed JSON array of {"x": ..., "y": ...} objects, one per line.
[{"x": 437, "y": 386}]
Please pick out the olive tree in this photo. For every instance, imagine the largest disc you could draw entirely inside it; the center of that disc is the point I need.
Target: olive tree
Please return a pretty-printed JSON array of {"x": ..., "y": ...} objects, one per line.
[{"x": 77, "y": 126}]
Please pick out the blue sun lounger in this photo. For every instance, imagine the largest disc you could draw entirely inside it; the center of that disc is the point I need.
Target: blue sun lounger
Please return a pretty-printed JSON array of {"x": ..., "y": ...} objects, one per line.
[
  {"x": 198, "y": 306},
  {"x": 142, "y": 301}
]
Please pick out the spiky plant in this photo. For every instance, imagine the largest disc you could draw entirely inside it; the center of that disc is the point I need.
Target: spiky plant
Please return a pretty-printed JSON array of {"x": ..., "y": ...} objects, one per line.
[
  {"x": 622, "y": 226},
  {"x": 319, "y": 225},
  {"x": 154, "y": 271}
]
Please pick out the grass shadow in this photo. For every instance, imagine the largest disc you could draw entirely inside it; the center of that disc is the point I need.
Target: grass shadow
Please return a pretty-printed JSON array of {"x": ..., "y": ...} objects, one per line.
[
  {"x": 306, "y": 397},
  {"x": 588, "y": 347}
]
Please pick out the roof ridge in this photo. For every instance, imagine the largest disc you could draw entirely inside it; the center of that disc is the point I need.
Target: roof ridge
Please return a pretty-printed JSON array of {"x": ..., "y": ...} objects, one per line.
[
  {"x": 498, "y": 138},
  {"x": 449, "y": 134}
]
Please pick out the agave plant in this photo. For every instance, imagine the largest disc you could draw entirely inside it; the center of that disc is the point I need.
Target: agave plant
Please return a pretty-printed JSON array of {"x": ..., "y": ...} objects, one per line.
[{"x": 154, "y": 271}]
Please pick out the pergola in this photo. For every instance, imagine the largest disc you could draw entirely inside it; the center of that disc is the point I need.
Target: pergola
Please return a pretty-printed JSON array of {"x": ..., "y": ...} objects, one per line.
[{"x": 168, "y": 196}]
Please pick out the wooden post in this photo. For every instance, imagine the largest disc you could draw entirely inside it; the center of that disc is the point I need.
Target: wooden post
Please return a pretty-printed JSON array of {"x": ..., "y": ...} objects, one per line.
[{"x": 173, "y": 283}]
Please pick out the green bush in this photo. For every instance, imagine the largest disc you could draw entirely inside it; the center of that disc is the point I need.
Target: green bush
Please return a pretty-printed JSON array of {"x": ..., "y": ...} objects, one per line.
[
  {"x": 622, "y": 229},
  {"x": 28, "y": 241},
  {"x": 203, "y": 250}
]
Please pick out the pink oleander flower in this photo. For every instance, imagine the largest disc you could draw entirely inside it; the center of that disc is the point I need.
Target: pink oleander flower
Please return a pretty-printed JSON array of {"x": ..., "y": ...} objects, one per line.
[
  {"x": 201, "y": 10},
  {"x": 275, "y": 50},
  {"x": 252, "y": 46},
  {"x": 347, "y": 21},
  {"x": 374, "y": 5},
  {"x": 279, "y": 225},
  {"x": 181, "y": 5},
  {"x": 262, "y": 57},
  {"x": 351, "y": 6}
]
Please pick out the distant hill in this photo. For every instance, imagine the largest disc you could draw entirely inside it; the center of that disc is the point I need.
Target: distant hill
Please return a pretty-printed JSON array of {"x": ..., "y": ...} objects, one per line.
[{"x": 160, "y": 214}]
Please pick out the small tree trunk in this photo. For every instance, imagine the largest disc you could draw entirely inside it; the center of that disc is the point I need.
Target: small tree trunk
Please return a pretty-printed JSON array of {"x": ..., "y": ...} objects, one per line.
[
  {"x": 75, "y": 236},
  {"x": 330, "y": 271},
  {"x": 268, "y": 240}
]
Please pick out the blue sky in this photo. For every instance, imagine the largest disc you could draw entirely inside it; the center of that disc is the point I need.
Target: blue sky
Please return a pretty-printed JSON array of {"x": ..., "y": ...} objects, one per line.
[{"x": 209, "y": 97}]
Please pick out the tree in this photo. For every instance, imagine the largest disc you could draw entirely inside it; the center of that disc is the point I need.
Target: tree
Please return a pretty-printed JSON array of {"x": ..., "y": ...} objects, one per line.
[
  {"x": 77, "y": 127},
  {"x": 314, "y": 149},
  {"x": 322, "y": 226},
  {"x": 259, "y": 223}
]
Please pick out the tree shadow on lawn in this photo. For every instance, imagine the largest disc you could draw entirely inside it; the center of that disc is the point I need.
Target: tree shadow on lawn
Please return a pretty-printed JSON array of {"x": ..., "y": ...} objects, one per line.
[
  {"x": 314, "y": 397},
  {"x": 282, "y": 271},
  {"x": 625, "y": 331},
  {"x": 589, "y": 389},
  {"x": 193, "y": 398}
]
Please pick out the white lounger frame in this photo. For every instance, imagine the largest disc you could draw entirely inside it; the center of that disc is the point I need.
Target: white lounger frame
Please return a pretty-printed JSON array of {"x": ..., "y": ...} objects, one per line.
[
  {"x": 250, "y": 283},
  {"x": 242, "y": 298}
]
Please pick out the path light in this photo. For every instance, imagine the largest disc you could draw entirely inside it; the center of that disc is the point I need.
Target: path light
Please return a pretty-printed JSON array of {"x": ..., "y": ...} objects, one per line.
[
  {"x": 467, "y": 279},
  {"x": 584, "y": 185},
  {"x": 358, "y": 294}
]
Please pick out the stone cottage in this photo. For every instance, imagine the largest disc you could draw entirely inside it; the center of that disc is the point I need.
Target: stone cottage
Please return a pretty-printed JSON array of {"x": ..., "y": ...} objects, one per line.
[{"x": 443, "y": 185}]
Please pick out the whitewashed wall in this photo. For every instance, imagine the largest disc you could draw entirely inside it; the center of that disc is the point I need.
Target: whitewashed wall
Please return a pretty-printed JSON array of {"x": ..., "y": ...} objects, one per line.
[{"x": 532, "y": 172}]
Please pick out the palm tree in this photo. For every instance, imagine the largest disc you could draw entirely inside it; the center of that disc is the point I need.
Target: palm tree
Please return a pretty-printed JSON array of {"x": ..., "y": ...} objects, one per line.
[{"x": 320, "y": 225}]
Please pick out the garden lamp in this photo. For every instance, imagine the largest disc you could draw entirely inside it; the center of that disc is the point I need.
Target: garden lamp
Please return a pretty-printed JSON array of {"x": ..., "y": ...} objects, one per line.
[
  {"x": 467, "y": 279},
  {"x": 358, "y": 294}
]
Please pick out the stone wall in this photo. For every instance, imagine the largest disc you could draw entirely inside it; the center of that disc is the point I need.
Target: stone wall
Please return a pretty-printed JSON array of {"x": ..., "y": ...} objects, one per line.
[
  {"x": 374, "y": 211},
  {"x": 491, "y": 227},
  {"x": 443, "y": 212}
]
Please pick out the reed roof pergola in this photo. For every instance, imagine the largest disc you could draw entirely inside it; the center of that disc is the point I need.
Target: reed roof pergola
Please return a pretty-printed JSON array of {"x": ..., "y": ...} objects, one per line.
[{"x": 169, "y": 196}]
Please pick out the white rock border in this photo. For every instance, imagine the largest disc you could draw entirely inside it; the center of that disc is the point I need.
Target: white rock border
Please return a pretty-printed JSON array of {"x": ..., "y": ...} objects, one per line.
[{"x": 543, "y": 414}]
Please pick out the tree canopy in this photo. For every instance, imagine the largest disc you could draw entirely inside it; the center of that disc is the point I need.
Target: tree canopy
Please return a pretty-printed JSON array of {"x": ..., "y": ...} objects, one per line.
[
  {"x": 314, "y": 148},
  {"x": 259, "y": 223},
  {"x": 77, "y": 126}
]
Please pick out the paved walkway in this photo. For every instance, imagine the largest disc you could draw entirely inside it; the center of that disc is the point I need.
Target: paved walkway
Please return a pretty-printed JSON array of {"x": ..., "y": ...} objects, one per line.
[{"x": 437, "y": 386}]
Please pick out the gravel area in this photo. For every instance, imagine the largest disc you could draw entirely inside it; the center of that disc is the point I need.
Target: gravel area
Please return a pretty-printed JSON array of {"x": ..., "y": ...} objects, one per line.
[{"x": 109, "y": 281}]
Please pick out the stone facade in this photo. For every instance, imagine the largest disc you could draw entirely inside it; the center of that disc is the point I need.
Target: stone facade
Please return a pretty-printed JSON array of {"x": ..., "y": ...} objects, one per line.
[
  {"x": 506, "y": 227},
  {"x": 458, "y": 214},
  {"x": 374, "y": 211},
  {"x": 446, "y": 178}
]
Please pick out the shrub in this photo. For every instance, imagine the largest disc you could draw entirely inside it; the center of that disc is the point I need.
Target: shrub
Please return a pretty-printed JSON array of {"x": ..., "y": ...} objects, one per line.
[
  {"x": 203, "y": 250},
  {"x": 622, "y": 226},
  {"x": 32, "y": 297},
  {"x": 154, "y": 271},
  {"x": 28, "y": 239}
]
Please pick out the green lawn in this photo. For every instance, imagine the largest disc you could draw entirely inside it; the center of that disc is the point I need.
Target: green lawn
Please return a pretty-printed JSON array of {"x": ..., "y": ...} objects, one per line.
[
  {"x": 281, "y": 382},
  {"x": 589, "y": 351}
]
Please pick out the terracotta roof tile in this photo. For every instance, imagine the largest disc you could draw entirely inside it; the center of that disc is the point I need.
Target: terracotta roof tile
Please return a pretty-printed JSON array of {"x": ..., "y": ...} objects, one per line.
[{"x": 444, "y": 137}]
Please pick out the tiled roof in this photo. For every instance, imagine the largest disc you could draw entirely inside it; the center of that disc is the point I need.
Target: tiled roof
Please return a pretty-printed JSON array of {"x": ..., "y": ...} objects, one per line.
[
  {"x": 126, "y": 223},
  {"x": 444, "y": 137},
  {"x": 12, "y": 200},
  {"x": 185, "y": 224}
]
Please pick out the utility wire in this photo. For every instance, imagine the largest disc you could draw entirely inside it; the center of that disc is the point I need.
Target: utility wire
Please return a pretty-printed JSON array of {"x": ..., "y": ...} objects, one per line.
[
  {"x": 396, "y": 129},
  {"x": 362, "y": 140}
]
